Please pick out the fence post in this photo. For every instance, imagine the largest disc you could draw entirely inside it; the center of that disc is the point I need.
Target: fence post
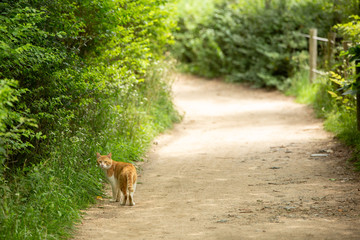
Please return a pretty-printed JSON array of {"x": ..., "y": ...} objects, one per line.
[
  {"x": 312, "y": 53},
  {"x": 357, "y": 64},
  {"x": 330, "y": 49}
]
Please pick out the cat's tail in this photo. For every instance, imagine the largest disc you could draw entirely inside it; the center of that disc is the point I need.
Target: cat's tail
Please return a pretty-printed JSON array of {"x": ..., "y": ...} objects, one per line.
[{"x": 130, "y": 180}]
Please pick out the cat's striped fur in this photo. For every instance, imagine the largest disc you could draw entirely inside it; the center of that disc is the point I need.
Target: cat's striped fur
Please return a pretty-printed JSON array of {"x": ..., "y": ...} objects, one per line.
[{"x": 122, "y": 177}]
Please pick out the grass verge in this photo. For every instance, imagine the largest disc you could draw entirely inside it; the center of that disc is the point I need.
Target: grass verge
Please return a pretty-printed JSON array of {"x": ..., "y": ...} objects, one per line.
[
  {"x": 43, "y": 201},
  {"x": 337, "y": 118}
]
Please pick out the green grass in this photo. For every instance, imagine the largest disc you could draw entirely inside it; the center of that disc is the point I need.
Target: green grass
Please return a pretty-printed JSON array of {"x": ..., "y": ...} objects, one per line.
[
  {"x": 343, "y": 124},
  {"x": 314, "y": 94},
  {"x": 304, "y": 91},
  {"x": 337, "y": 118},
  {"x": 43, "y": 201}
]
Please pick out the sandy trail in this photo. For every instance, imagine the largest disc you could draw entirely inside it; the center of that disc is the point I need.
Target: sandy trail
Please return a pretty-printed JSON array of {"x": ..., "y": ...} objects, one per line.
[{"x": 239, "y": 166}]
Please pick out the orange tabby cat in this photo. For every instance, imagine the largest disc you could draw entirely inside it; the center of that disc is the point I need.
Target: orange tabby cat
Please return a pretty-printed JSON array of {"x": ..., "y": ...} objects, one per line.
[{"x": 122, "y": 177}]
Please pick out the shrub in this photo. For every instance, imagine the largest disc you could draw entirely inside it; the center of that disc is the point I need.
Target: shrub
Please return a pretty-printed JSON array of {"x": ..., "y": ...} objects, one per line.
[
  {"x": 76, "y": 78},
  {"x": 248, "y": 42}
]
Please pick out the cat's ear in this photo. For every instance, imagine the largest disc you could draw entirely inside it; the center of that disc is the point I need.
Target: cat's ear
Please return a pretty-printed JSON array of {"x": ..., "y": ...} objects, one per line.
[
  {"x": 109, "y": 155},
  {"x": 98, "y": 155}
]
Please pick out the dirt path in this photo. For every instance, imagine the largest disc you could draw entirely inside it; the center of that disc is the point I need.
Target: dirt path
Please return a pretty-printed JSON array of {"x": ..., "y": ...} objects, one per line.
[{"x": 239, "y": 166}]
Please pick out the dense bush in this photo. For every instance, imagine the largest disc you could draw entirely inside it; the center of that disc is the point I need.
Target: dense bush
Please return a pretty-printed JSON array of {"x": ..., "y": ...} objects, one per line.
[
  {"x": 76, "y": 77},
  {"x": 249, "y": 42},
  {"x": 343, "y": 86}
]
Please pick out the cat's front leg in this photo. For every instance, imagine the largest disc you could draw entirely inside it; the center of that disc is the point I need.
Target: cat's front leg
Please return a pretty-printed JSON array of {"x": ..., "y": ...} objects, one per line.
[
  {"x": 113, "y": 194},
  {"x": 118, "y": 195},
  {"x": 114, "y": 188}
]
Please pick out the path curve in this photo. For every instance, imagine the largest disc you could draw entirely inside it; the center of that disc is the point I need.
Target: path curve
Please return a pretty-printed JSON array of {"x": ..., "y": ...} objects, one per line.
[{"x": 239, "y": 166}]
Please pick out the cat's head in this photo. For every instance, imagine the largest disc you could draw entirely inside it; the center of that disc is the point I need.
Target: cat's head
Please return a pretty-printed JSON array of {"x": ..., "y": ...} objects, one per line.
[{"x": 104, "y": 161}]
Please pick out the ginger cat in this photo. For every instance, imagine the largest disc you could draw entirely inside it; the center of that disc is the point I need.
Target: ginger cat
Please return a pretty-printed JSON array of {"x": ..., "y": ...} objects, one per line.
[{"x": 122, "y": 177}]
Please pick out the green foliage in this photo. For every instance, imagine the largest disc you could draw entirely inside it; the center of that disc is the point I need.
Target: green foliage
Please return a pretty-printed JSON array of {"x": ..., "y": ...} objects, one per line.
[
  {"x": 14, "y": 125},
  {"x": 343, "y": 91},
  {"x": 351, "y": 32},
  {"x": 344, "y": 87},
  {"x": 351, "y": 29},
  {"x": 76, "y": 78},
  {"x": 248, "y": 42}
]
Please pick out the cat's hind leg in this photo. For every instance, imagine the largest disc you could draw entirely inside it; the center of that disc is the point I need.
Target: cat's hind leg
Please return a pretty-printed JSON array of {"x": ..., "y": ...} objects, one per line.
[
  {"x": 123, "y": 196},
  {"x": 131, "y": 195}
]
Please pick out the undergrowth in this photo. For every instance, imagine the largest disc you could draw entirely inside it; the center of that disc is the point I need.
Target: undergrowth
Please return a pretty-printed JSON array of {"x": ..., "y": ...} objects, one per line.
[
  {"x": 338, "y": 119},
  {"x": 42, "y": 201},
  {"x": 76, "y": 78}
]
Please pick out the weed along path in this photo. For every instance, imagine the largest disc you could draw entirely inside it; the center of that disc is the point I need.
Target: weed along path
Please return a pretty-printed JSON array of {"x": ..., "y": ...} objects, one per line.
[{"x": 241, "y": 165}]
